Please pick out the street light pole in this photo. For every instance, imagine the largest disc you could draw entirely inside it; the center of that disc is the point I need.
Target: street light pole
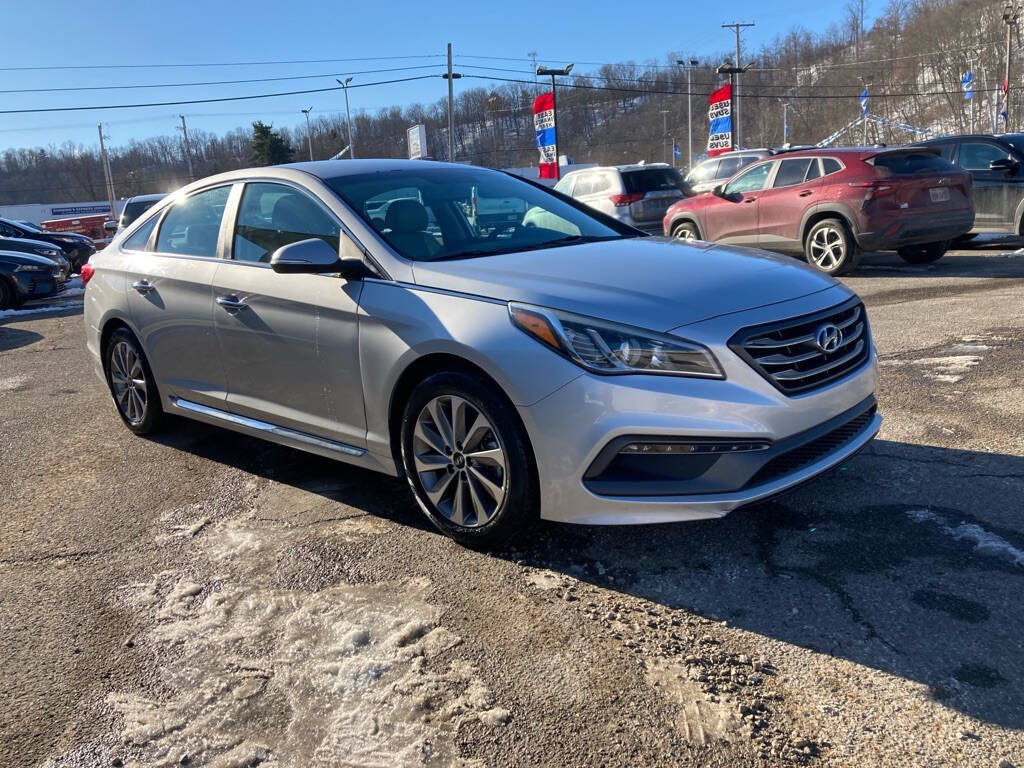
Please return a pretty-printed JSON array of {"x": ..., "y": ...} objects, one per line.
[
  {"x": 664, "y": 133},
  {"x": 309, "y": 132},
  {"x": 564, "y": 72},
  {"x": 733, "y": 73},
  {"x": 689, "y": 109},
  {"x": 348, "y": 117}
]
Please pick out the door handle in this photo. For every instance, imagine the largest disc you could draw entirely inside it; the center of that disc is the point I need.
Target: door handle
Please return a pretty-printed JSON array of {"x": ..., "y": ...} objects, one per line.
[
  {"x": 750, "y": 200},
  {"x": 806, "y": 192},
  {"x": 231, "y": 302},
  {"x": 142, "y": 286}
]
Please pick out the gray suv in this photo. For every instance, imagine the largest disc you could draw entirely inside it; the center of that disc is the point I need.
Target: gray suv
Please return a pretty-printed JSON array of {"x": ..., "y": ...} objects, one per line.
[
  {"x": 582, "y": 373},
  {"x": 637, "y": 195}
]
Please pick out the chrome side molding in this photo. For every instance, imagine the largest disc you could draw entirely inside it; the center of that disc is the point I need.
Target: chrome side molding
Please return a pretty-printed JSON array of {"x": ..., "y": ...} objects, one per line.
[{"x": 267, "y": 427}]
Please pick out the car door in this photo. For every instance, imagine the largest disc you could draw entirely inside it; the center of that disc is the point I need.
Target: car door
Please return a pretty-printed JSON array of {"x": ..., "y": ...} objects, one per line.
[
  {"x": 795, "y": 187},
  {"x": 169, "y": 265},
  {"x": 734, "y": 218},
  {"x": 289, "y": 342},
  {"x": 996, "y": 191}
]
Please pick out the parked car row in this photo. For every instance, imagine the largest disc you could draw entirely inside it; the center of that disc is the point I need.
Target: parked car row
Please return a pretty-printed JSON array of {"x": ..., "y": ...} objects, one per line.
[
  {"x": 25, "y": 276},
  {"x": 74, "y": 247}
]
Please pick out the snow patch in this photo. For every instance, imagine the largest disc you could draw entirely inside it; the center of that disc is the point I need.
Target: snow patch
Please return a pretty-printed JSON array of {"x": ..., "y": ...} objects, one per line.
[
  {"x": 984, "y": 541},
  {"x": 256, "y": 672},
  {"x": 14, "y": 383}
]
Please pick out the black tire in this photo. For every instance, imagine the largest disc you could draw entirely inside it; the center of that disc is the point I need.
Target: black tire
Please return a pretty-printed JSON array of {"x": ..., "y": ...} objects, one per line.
[
  {"x": 923, "y": 254},
  {"x": 152, "y": 414},
  {"x": 519, "y": 505},
  {"x": 685, "y": 230},
  {"x": 6, "y": 295},
  {"x": 830, "y": 247}
]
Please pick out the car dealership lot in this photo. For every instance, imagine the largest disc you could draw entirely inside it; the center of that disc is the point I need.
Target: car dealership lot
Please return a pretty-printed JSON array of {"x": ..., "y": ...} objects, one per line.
[{"x": 212, "y": 597}]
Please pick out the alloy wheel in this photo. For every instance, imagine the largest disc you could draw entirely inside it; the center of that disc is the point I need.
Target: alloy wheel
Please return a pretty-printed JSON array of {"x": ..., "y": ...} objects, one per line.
[
  {"x": 685, "y": 234},
  {"x": 828, "y": 248},
  {"x": 460, "y": 461},
  {"x": 129, "y": 382}
]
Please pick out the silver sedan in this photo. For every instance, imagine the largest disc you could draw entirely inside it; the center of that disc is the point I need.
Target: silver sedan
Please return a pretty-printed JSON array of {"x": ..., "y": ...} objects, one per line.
[{"x": 553, "y": 364}]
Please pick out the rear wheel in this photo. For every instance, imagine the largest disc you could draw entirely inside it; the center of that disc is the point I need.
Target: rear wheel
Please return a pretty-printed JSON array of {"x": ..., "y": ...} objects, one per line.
[
  {"x": 831, "y": 248},
  {"x": 686, "y": 231},
  {"x": 923, "y": 254},
  {"x": 467, "y": 460},
  {"x": 131, "y": 383}
]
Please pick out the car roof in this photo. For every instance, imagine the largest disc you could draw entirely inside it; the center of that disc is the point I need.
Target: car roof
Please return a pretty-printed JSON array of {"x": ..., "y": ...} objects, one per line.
[
  {"x": 621, "y": 168},
  {"x": 145, "y": 198}
]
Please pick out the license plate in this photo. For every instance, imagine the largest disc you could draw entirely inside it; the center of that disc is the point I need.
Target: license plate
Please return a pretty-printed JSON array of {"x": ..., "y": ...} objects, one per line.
[{"x": 939, "y": 194}]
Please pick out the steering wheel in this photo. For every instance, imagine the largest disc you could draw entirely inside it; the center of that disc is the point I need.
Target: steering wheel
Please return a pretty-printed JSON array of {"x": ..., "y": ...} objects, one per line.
[{"x": 502, "y": 229}]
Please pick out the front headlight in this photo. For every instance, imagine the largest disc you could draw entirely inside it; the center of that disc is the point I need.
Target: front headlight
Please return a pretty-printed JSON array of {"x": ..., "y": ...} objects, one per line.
[
  {"x": 611, "y": 348},
  {"x": 31, "y": 268}
]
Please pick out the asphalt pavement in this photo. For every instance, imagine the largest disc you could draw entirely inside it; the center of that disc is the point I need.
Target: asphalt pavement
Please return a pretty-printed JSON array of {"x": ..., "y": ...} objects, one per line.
[{"x": 203, "y": 598}]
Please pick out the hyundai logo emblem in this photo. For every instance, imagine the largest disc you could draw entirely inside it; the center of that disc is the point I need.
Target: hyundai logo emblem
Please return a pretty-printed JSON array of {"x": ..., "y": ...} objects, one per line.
[{"x": 828, "y": 337}]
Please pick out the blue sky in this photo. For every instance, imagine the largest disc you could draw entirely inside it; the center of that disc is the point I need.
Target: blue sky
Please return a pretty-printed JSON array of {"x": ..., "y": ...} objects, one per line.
[{"x": 188, "y": 32}]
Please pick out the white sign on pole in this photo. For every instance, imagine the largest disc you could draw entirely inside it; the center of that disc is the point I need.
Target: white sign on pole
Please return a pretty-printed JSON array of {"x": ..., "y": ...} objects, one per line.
[{"x": 417, "y": 136}]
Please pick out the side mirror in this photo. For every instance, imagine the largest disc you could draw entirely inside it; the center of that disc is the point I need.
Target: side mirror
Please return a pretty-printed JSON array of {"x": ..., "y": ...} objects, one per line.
[
  {"x": 1003, "y": 164},
  {"x": 718, "y": 190},
  {"x": 110, "y": 226},
  {"x": 316, "y": 257}
]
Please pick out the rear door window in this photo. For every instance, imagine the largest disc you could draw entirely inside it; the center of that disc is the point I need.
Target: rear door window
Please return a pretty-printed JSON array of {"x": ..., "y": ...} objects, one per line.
[
  {"x": 792, "y": 172},
  {"x": 652, "y": 180},
  {"x": 813, "y": 170},
  {"x": 978, "y": 155},
  {"x": 192, "y": 227},
  {"x": 140, "y": 238}
]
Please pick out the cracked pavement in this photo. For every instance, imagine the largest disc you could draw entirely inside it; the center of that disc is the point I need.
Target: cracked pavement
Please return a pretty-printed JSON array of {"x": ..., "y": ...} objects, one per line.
[{"x": 203, "y": 598}]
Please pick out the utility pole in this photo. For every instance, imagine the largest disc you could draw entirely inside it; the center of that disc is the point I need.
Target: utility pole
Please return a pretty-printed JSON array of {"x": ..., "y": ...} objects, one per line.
[
  {"x": 533, "y": 58},
  {"x": 1011, "y": 15},
  {"x": 108, "y": 177},
  {"x": 188, "y": 149},
  {"x": 348, "y": 117},
  {"x": 564, "y": 72},
  {"x": 664, "y": 132},
  {"x": 733, "y": 72},
  {"x": 689, "y": 109},
  {"x": 785, "y": 123},
  {"x": 309, "y": 132},
  {"x": 450, "y": 77},
  {"x": 736, "y": 26}
]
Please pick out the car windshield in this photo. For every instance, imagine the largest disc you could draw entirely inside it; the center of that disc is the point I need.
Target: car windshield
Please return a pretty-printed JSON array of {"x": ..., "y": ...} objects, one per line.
[
  {"x": 30, "y": 227},
  {"x": 432, "y": 214},
  {"x": 1015, "y": 140}
]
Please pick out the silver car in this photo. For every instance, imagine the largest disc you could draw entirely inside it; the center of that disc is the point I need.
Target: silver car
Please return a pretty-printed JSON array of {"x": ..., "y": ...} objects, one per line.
[{"x": 584, "y": 373}]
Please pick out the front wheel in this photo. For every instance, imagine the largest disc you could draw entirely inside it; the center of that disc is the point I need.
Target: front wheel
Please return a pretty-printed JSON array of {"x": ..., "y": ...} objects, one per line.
[
  {"x": 686, "y": 231},
  {"x": 923, "y": 254},
  {"x": 468, "y": 460},
  {"x": 131, "y": 383},
  {"x": 831, "y": 248}
]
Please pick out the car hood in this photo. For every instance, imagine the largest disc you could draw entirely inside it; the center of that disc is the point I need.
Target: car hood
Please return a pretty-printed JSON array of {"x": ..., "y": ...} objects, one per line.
[
  {"x": 651, "y": 282},
  {"x": 26, "y": 242},
  {"x": 21, "y": 257}
]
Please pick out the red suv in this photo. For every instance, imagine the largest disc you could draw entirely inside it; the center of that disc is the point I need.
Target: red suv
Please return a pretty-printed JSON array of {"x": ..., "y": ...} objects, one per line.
[{"x": 828, "y": 204}]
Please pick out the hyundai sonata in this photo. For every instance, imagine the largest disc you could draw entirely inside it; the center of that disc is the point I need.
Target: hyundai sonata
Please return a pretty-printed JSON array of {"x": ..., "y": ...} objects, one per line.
[{"x": 568, "y": 367}]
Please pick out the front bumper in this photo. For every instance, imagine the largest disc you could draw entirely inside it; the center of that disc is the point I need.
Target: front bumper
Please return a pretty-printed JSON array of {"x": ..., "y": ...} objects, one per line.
[
  {"x": 573, "y": 427},
  {"x": 917, "y": 230}
]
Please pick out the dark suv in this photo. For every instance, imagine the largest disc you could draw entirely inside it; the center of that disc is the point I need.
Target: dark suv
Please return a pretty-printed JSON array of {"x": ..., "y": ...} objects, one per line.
[
  {"x": 997, "y": 165},
  {"x": 76, "y": 248},
  {"x": 828, "y": 204}
]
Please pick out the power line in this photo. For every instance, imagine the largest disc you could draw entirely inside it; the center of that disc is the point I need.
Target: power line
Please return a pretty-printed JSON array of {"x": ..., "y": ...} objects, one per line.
[
  {"x": 208, "y": 101},
  {"x": 216, "y": 63},
  {"x": 215, "y": 82}
]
